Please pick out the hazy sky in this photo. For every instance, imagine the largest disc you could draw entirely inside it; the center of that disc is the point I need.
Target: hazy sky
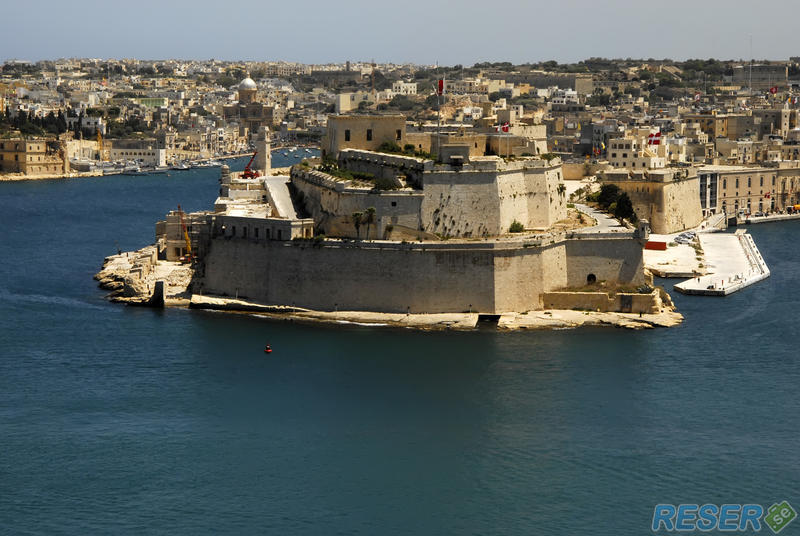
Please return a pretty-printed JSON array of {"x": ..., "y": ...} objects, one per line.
[{"x": 419, "y": 31}]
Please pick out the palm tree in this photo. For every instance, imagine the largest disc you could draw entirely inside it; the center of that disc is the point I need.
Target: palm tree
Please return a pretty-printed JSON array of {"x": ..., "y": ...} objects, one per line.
[
  {"x": 357, "y": 219},
  {"x": 369, "y": 218}
]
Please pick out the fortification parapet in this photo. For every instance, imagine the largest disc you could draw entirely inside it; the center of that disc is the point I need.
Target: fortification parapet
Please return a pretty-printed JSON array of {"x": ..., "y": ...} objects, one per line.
[{"x": 385, "y": 165}]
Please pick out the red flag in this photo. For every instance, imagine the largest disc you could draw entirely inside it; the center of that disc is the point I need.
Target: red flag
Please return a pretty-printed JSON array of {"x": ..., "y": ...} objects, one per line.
[
  {"x": 654, "y": 139},
  {"x": 767, "y": 195},
  {"x": 505, "y": 126},
  {"x": 697, "y": 97},
  {"x": 440, "y": 90},
  {"x": 773, "y": 90}
]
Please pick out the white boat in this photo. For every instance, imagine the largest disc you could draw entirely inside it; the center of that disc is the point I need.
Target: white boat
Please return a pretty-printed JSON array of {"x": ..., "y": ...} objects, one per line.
[
  {"x": 131, "y": 169},
  {"x": 180, "y": 166}
]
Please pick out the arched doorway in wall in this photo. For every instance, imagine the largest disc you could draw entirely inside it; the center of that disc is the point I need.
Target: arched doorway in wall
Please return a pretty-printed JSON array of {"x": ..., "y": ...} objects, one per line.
[{"x": 591, "y": 279}]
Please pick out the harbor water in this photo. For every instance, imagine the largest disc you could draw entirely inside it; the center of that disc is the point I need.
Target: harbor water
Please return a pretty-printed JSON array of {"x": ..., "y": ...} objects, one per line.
[{"x": 117, "y": 419}]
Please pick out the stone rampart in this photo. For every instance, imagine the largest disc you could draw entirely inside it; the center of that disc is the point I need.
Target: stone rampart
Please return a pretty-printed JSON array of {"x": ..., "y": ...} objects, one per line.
[
  {"x": 484, "y": 197},
  {"x": 425, "y": 277},
  {"x": 669, "y": 205},
  {"x": 385, "y": 165},
  {"x": 332, "y": 202}
]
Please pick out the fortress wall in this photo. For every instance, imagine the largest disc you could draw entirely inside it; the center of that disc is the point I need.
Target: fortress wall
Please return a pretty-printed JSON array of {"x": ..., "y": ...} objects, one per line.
[
  {"x": 531, "y": 197},
  {"x": 420, "y": 278},
  {"x": 461, "y": 204},
  {"x": 549, "y": 206},
  {"x": 351, "y": 277},
  {"x": 333, "y": 208},
  {"x": 385, "y": 165},
  {"x": 522, "y": 275},
  {"x": 608, "y": 259},
  {"x": 669, "y": 206},
  {"x": 681, "y": 205}
]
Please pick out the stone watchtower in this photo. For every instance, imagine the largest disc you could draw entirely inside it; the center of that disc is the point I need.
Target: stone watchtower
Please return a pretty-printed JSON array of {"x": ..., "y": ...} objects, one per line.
[{"x": 263, "y": 161}]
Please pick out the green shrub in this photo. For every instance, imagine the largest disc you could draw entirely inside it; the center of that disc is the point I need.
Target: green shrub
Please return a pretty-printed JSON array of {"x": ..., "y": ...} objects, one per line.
[
  {"x": 624, "y": 208},
  {"x": 609, "y": 193},
  {"x": 382, "y": 183},
  {"x": 389, "y": 147},
  {"x": 516, "y": 227}
]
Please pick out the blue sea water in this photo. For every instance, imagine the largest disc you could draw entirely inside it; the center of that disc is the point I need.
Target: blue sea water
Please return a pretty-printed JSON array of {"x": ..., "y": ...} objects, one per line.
[{"x": 126, "y": 420}]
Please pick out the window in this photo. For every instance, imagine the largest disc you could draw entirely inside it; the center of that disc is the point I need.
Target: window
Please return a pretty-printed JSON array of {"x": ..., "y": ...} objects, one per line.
[
  {"x": 613, "y": 155},
  {"x": 398, "y": 135},
  {"x": 737, "y": 183},
  {"x": 724, "y": 184},
  {"x": 394, "y": 203},
  {"x": 347, "y": 135},
  {"x": 369, "y": 134},
  {"x": 624, "y": 155},
  {"x": 749, "y": 182},
  {"x": 762, "y": 181}
]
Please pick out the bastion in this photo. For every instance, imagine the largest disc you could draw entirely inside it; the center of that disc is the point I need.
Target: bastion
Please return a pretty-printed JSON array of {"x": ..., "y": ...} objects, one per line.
[{"x": 398, "y": 235}]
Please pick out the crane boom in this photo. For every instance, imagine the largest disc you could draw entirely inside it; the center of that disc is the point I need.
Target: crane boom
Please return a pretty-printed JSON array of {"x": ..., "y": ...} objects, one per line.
[{"x": 249, "y": 173}]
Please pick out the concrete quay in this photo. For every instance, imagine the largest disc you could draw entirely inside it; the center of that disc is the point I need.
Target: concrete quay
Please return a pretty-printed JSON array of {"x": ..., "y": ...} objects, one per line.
[
  {"x": 734, "y": 261},
  {"x": 771, "y": 218}
]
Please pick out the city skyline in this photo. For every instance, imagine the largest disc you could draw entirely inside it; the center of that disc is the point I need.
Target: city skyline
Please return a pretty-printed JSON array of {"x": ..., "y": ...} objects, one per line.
[{"x": 415, "y": 32}]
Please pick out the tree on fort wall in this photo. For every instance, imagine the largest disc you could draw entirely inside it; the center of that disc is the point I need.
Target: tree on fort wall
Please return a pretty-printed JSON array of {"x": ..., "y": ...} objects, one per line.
[
  {"x": 357, "y": 219},
  {"x": 369, "y": 218}
]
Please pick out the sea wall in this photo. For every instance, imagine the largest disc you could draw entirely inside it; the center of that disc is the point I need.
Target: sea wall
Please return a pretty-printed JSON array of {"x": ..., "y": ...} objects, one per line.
[
  {"x": 600, "y": 301},
  {"x": 360, "y": 277},
  {"x": 394, "y": 277},
  {"x": 605, "y": 258}
]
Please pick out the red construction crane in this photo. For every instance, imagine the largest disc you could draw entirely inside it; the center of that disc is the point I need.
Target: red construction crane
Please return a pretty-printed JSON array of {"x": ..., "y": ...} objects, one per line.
[{"x": 249, "y": 173}]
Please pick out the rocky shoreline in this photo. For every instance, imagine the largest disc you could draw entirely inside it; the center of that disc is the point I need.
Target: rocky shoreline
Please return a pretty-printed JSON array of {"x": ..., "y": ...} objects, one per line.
[{"x": 133, "y": 277}]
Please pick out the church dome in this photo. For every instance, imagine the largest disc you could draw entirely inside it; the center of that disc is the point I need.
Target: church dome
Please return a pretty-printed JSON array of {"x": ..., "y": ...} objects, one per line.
[{"x": 247, "y": 83}]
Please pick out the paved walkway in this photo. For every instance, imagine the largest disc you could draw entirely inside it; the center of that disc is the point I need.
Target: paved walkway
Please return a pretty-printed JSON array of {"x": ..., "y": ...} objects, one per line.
[{"x": 605, "y": 223}]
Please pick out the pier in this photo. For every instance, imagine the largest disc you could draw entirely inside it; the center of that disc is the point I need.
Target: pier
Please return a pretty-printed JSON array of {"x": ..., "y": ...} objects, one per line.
[{"x": 734, "y": 261}]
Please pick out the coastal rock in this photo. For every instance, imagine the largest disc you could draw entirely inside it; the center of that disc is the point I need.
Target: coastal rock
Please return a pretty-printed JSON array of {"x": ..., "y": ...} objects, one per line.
[{"x": 135, "y": 288}]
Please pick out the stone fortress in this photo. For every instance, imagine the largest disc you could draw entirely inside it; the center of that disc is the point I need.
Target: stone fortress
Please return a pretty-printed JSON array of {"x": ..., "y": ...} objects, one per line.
[{"x": 394, "y": 233}]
